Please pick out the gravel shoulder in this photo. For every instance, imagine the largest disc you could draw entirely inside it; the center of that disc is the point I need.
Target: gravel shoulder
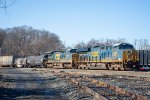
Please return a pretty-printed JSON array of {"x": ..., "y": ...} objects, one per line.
[
  {"x": 26, "y": 84},
  {"x": 29, "y": 83}
]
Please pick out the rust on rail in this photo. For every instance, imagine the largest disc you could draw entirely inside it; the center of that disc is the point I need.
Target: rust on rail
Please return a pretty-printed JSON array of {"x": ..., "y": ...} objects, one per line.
[
  {"x": 117, "y": 89},
  {"x": 114, "y": 88},
  {"x": 96, "y": 95},
  {"x": 102, "y": 84}
]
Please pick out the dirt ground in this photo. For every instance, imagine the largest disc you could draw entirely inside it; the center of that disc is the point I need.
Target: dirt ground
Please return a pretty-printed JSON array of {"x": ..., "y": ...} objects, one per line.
[
  {"x": 39, "y": 83},
  {"x": 20, "y": 83}
]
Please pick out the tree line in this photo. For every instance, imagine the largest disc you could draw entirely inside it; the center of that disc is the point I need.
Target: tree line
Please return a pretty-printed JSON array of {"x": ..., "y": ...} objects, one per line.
[
  {"x": 139, "y": 44},
  {"x": 93, "y": 42},
  {"x": 25, "y": 40}
]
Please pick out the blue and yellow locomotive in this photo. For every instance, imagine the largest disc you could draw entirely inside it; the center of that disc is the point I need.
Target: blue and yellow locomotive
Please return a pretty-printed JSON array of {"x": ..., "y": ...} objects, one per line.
[
  {"x": 65, "y": 59},
  {"x": 121, "y": 56}
]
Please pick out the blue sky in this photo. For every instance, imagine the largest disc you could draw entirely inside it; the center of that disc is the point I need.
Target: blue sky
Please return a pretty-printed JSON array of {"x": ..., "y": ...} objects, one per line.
[{"x": 81, "y": 20}]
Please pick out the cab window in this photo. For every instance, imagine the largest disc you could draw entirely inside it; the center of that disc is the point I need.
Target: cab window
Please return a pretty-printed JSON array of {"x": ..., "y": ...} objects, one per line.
[
  {"x": 126, "y": 46},
  {"x": 115, "y": 48},
  {"x": 102, "y": 48}
]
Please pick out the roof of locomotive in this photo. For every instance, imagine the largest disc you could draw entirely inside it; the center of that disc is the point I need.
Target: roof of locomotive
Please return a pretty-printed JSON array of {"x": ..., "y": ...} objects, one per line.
[
  {"x": 121, "y": 44},
  {"x": 83, "y": 50},
  {"x": 49, "y": 53},
  {"x": 102, "y": 46}
]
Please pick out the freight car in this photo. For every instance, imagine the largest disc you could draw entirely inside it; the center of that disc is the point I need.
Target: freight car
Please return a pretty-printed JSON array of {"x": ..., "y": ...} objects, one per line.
[
  {"x": 20, "y": 62},
  {"x": 7, "y": 61},
  {"x": 144, "y": 59},
  {"x": 35, "y": 61},
  {"x": 12, "y": 61},
  {"x": 29, "y": 61},
  {"x": 121, "y": 56}
]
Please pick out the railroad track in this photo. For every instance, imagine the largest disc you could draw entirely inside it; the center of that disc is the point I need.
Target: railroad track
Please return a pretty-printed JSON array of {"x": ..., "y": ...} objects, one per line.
[
  {"x": 133, "y": 84},
  {"x": 126, "y": 77},
  {"x": 100, "y": 88}
]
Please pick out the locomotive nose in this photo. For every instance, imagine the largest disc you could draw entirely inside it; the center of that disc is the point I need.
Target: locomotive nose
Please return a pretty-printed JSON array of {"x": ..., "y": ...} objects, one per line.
[{"x": 130, "y": 56}]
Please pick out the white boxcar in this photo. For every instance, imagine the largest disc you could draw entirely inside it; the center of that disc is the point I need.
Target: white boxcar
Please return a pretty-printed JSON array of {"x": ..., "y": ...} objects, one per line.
[{"x": 6, "y": 61}]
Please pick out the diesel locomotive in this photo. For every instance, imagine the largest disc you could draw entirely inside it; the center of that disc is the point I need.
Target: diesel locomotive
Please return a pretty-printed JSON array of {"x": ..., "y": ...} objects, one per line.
[{"x": 121, "y": 56}]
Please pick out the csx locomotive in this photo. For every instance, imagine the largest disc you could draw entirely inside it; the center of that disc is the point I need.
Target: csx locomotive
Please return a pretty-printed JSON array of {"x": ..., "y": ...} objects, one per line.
[{"x": 121, "y": 56}]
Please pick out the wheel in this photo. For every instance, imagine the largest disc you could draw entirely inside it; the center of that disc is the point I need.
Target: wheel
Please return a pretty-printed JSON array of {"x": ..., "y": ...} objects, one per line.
[
  {"x": 11, "y": 65},
  {"x": 121, "y": 69},
  {"x": 29, "y": 66},
  {"x": 126, "y": 68},
  {"x": 110, "y": 67},
  {"x": 115, "y": 68}
]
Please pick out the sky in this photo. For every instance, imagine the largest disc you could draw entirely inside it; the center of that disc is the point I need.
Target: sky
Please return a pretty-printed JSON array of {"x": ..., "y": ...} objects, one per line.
[{"x": 82, "y": 20}]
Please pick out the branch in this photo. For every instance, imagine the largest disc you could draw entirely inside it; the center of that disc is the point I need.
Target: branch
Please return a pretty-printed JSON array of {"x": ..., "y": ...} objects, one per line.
[{"x": 3, "y": 4}]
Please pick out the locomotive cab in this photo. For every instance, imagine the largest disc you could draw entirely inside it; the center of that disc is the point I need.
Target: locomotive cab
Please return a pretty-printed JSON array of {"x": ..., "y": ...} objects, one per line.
[
  {"x": 118, "y": 49},
  {"x": 124, "y": 55},
  {"x": 69, "y": 59}
]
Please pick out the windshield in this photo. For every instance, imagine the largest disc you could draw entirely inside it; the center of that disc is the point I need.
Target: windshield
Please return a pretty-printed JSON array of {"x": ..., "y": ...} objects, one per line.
[{"x": 126, "y": 46}]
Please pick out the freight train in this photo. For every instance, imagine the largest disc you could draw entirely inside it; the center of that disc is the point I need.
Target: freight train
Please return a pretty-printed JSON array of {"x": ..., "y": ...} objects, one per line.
[{"x": 121, "y": 56}]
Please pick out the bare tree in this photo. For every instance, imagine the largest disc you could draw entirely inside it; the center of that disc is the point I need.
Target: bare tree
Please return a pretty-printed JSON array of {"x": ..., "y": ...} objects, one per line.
[
  {"x": 80, "y": 45},
  {"x": 121, "y": 40},
  {"x": 2, "y": 36},
  {"x": 101, "y": 42},
  {"x": 93, "y": 43},
  {"x": 6, "y": 3},
  {"x": 25, "y": 40},
  {"x": 110, "y": 42},
  {"x": 141, "y": 44},
  {"x": 145, "y": 44},
  {"x": 135, "y": 43}
]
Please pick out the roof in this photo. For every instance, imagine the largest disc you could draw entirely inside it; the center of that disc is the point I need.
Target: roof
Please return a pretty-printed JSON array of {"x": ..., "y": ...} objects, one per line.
[
  {"x": 121, "y": 44},
  {"x": 51, "y": 52},
  {"x": 83, "y": 50}
]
